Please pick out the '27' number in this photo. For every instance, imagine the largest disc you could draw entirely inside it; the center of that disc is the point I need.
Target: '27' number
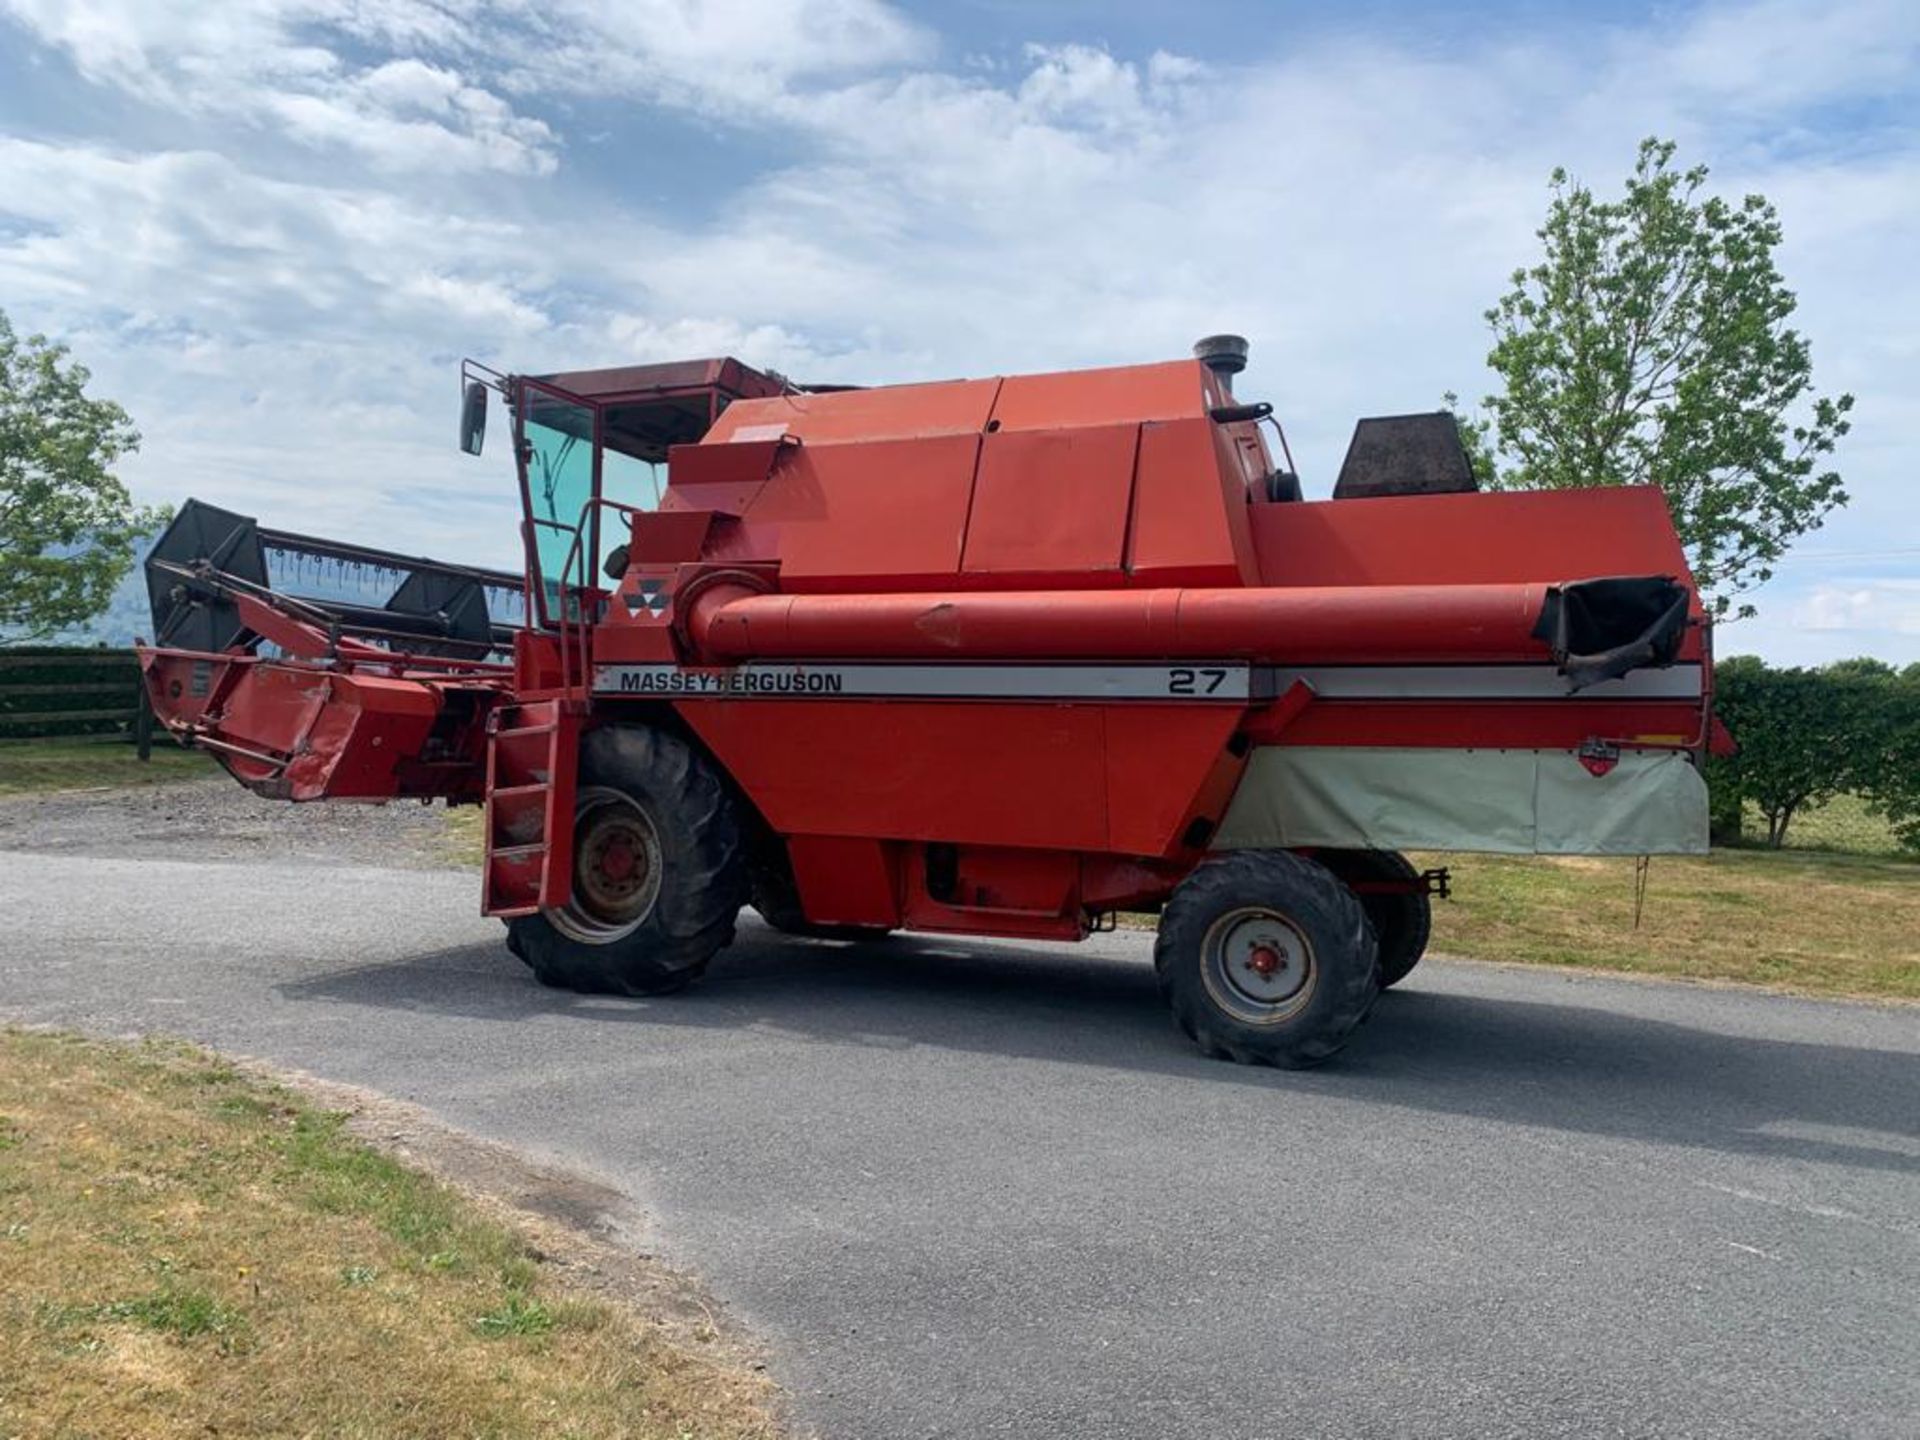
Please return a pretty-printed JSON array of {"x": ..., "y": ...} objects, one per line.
[{"x": 1194, "y": 682}]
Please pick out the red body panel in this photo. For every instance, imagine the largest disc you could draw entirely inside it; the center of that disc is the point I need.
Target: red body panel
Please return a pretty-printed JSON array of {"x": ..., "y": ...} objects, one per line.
[
  {"x": 1167, "y": 765},
  {"x": 1086, "y": 479},
  {"x": 1121, "y": 395},
  {"x": 1051, "y": 505},
  {"x": 847, "y": 882},
  {"x": 1190, "y": 523},
  {"x": 894, "y": 412},
  {"x": 1008, "y": 892},
  {"x": 1025, "y": 775},
  {"x": 1467, "y": 539},
  {"x": 841, "y": 516},
  {"x": 1494, "y": 725}
]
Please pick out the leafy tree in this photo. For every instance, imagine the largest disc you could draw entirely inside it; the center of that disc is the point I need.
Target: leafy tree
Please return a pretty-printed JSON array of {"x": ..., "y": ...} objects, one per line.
[
  {"x": 1805, "y": 736},
  {"x": 1476, "y": 438},
  {"x": 1892, "y": 781},
  {"x": 67, "y": 526},
  {"x": 1863, "y": 666},
  {"x": 1650, "y": 346}
]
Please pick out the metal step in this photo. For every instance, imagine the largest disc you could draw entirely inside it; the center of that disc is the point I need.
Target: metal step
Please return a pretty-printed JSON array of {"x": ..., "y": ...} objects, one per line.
[{"x": 533, "y": 755}]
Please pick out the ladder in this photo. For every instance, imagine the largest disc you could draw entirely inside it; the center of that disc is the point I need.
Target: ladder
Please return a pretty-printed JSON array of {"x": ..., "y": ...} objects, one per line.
[{"x": 533, "y": 749}]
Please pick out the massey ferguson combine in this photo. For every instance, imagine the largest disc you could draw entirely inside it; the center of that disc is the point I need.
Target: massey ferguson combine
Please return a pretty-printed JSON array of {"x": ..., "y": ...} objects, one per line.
[{"x": 994, "y": 657}]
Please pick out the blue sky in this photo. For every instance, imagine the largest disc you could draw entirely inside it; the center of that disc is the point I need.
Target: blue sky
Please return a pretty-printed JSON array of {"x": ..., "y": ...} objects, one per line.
[{"x": 272, "y": 227}]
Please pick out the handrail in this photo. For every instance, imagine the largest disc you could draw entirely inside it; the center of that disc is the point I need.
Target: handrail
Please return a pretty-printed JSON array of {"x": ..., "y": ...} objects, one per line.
[
  {"x": 565, "y": 620},
  {"x": 587, "y": 590}
]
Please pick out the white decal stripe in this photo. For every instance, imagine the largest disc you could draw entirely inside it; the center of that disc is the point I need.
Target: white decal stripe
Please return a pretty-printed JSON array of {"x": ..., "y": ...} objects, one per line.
[
  {"x": 1231, "y": 682},
  {"x": 1479, "y": 682},
  {"x": 954, "y": 682}
]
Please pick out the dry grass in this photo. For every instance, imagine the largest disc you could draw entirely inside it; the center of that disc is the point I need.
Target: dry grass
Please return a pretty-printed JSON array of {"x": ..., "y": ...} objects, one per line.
[
  {"x": 464, "y": 841},
  {"x": 42, "y": 766},
  {"x": 187, "y": 1251},
  {"x": 1817, "y": 923}
]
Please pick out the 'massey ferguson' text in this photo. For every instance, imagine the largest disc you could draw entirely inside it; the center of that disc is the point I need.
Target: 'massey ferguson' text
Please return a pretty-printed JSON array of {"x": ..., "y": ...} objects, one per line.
[{"x": 731, "y": 682}]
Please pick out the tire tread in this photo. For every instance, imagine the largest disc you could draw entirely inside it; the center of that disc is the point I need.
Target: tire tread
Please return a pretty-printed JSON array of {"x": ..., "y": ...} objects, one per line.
[
  {"x": 1403, "y": 924},
  {"x": 1317, "y": 897},
  {"x": 702, "y": 889}
]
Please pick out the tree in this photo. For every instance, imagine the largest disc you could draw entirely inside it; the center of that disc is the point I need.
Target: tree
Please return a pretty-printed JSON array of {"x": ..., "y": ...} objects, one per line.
[
  {"x": 68, "y": 527},
  {"x": 1650, "y": 346},
  {"x": 1805, "y": 736},
  {"x": 1892, "y": 779}
]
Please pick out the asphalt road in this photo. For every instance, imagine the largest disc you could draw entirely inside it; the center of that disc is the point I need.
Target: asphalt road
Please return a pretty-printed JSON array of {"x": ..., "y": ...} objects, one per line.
[{"x": 976, "y": 1190}]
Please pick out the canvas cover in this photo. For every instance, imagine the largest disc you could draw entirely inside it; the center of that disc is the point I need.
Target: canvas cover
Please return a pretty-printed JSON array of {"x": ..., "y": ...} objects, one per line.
[{"x": 1508, "y": 802}]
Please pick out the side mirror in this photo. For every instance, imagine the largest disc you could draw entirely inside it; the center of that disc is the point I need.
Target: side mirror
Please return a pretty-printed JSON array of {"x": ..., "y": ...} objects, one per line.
[{"x": 473, "y": 417}]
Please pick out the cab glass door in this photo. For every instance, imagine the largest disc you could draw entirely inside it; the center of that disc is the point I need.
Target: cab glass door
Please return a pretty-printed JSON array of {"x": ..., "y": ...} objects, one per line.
[{"x": 559, "y": 478}]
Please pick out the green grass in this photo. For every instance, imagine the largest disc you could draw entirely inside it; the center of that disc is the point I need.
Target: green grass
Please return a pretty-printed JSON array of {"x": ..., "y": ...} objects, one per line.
[
  {"x": 185, "y": 1250},
  {"x": 46, "y": 766},
  {"x": 183, "y": 1314},
  {"x": 517, "y": 1316},
  {"x": 1844, "y": 825},
  {"x": 1809, "y": 921}
]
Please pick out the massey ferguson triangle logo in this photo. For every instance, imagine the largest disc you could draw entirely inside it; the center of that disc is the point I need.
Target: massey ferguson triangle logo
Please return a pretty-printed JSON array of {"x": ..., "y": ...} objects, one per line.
[{"x": 651, "y": 597}]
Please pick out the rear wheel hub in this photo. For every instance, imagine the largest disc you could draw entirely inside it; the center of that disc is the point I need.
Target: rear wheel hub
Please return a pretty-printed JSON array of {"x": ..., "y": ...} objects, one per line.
[{"x": 1257, "y": 965}]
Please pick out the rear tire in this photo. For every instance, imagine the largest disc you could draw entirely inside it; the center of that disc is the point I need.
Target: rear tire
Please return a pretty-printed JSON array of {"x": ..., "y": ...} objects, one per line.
[
  {"x": 659, "y": 872},
  {"x": 1265, "y": 957},
  {"x": 1402, "y": 922}
]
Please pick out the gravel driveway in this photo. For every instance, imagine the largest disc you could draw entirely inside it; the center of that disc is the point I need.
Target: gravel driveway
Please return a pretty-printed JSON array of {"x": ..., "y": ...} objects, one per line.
[{"x": 215, "y": 819}]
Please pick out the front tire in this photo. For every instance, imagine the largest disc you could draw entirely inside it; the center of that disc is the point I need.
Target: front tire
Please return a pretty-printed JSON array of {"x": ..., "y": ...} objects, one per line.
[
  {"x": 659, "y": 873},
  {"x": 1265, "y": 957}
]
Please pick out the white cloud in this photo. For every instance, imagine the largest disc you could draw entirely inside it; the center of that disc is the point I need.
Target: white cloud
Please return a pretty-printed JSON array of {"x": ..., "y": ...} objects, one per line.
[
  {"x": 1760, "y": 58},
  {"x": 192, "y": 239},
  {"x": 1862, "y": 607},
  {"x": 1079, "y": 84},
  {"x": 1352, "y": 205},
  {"x": 730, "y": 57},
  {"x": 284, "y": 64},
  {"x": 441, "y": 100}
]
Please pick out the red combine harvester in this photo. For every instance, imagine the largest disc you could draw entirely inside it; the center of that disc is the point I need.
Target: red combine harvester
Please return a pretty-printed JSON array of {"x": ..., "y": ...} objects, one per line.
[{"x": 996, "y": 657}]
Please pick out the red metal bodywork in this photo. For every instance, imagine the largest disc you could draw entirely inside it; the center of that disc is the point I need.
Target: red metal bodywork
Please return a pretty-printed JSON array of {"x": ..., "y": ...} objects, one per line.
[
  {"x": 1035, "y": 528},
  {"x": 329, "y": 718}
]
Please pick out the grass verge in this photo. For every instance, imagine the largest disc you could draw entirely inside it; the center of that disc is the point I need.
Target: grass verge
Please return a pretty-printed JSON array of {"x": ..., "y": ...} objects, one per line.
[
  {"x": 41, "y": 766},
  {"x": 464, "y": 838},
  {"x": 1818, "y": 923},
  {"x": 185, "y": 1250}
]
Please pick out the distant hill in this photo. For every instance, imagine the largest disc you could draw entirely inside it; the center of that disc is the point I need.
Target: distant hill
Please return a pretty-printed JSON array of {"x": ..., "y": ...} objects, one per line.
[{"x": 125, "y": 617}]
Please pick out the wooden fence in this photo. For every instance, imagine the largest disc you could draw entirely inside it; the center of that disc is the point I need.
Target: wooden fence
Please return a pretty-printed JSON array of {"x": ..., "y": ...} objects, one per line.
[{"x": 72, "y": 692}]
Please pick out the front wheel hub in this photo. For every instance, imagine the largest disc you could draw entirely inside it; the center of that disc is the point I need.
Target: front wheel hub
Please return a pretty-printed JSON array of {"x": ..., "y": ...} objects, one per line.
[{"x": 616, "y": 868}]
